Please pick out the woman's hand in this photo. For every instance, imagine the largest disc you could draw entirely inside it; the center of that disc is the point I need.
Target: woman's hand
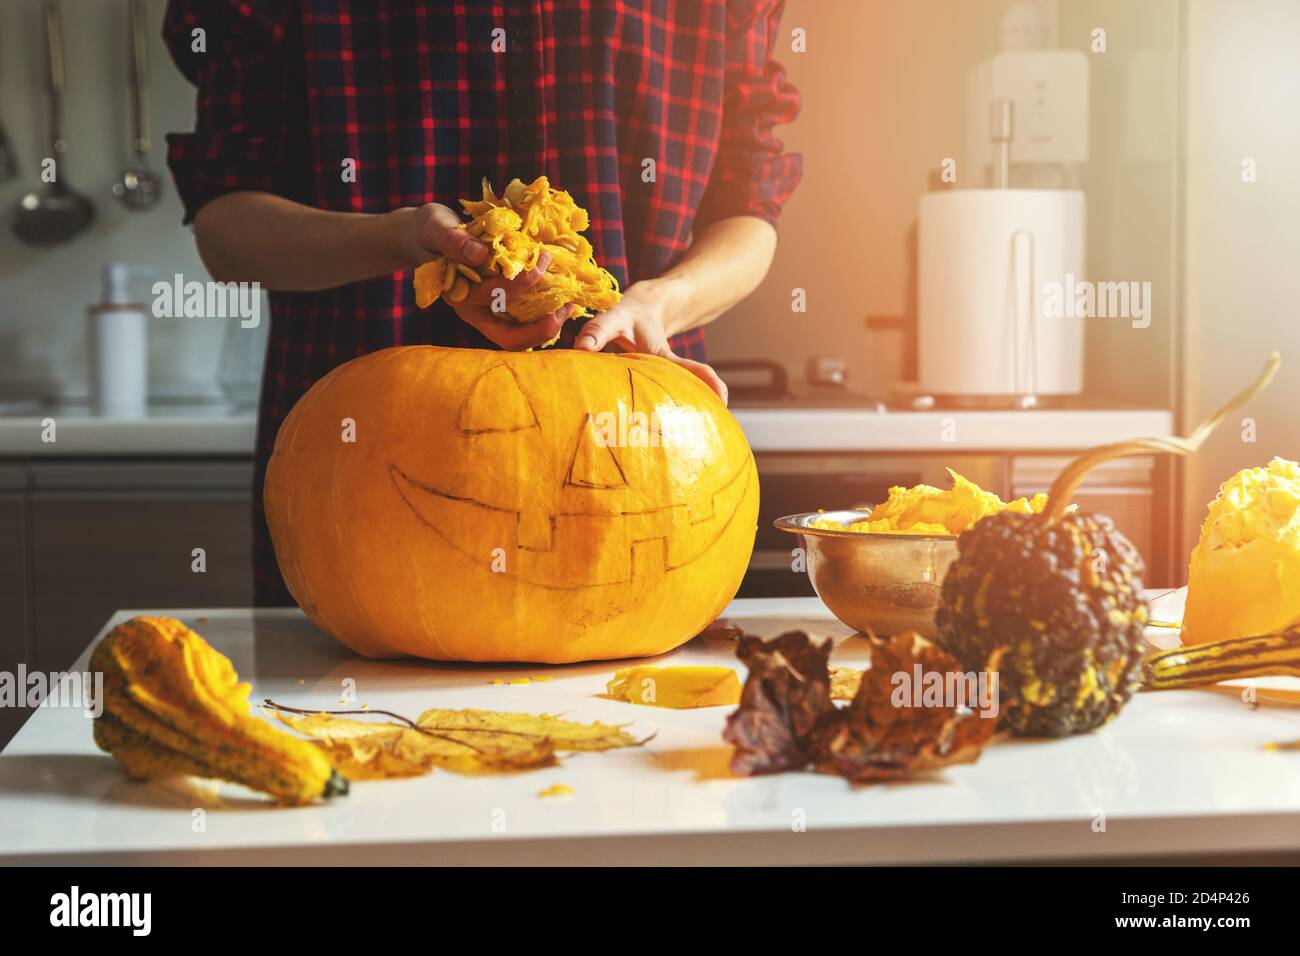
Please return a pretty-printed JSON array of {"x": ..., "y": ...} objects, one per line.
[
  {"x": 434, "y": 231},
  {"x": 725, "y": 262},
  {"x": 638, "y": 324}
]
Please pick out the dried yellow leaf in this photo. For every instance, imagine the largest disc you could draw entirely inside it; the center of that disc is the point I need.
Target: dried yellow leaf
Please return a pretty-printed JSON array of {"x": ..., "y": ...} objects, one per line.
[
  {"x": 463, "y": 741},
  {"x": 371, "y": 750},
  {"x": 676, "y": 687},
  {"x": 480, "y": 726}
]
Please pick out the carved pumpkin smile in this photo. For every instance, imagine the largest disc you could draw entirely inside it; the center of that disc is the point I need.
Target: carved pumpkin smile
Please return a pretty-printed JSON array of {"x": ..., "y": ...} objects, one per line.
[{"x": 649, "y": 542}]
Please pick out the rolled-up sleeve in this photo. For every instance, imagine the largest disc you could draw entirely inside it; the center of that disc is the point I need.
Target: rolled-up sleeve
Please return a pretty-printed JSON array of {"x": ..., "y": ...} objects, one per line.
[
  {"x": 753, "y": 175},
  {"x": 231, "y": 51}
]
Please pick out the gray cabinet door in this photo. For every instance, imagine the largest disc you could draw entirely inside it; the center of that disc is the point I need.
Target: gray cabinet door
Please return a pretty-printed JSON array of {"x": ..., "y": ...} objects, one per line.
[
  {"x": 110, "y": 536},
  {"x": 14, "y": 585}
]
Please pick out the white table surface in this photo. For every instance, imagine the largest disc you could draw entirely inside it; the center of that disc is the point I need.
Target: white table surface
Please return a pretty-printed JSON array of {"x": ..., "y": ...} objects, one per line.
[{"x": 1177, "y": 772}]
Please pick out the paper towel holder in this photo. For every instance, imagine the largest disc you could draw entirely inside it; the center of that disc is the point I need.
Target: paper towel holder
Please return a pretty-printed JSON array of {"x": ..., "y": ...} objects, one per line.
[{"x": 984, "y": 257}]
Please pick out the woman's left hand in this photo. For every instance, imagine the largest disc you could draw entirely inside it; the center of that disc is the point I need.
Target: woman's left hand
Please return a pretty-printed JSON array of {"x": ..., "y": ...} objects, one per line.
[{"x": 638, "y": 324}]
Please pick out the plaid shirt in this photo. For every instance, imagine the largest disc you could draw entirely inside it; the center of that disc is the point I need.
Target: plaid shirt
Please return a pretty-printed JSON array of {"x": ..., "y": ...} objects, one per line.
[{"x": 429, "y": 96}]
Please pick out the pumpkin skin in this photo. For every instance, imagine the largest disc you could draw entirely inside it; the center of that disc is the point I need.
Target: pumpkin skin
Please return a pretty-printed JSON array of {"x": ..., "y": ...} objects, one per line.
[{"x": 510, "y": 506}]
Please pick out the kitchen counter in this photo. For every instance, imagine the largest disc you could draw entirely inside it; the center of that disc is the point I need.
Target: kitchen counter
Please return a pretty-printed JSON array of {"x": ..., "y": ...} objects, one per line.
[
  {"x": 214, "y": 431},
  {"x": 1037, "y": 430},
  {"x": 168, "y": 430},
  {"x": 1180, "y": 772}
]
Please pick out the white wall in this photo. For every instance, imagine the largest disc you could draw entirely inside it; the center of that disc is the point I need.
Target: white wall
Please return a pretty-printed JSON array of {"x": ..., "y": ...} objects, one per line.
[
  {"x": 883, "y": 84},
  {"x": 44, "y": 291},
  {"x": 883, "y": 104},
  {"x": 1242, "y": 242}
]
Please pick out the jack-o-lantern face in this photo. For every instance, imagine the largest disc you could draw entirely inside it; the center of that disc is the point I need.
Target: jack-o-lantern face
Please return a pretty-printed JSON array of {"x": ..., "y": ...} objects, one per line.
[{"x": 549, "y": 506}]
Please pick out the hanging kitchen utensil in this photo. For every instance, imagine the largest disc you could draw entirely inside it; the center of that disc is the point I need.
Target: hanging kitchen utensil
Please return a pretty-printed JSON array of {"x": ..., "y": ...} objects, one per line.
[
  {"x": 55, "y": 213},
  {"x": 139, "y": 187},
  {"x": 8, "y": 159}
]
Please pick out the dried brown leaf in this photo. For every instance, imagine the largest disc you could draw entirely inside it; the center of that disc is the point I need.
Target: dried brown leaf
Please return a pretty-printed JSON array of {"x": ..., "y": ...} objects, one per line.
[
  {"x": 884, "y": 734},
  {"x": 722, "y": 630},
  {"x": 787, "y": 720},
  {"x": 785, "y": 698}
]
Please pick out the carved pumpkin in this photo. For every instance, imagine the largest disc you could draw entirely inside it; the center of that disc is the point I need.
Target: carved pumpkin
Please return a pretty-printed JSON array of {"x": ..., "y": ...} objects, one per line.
[
  {"x": 1244, "y": 575},
  {"x": 554, "y": 506}
]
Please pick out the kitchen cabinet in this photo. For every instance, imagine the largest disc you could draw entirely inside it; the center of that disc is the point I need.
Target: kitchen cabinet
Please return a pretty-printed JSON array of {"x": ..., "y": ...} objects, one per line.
[
  {"x": 14, "y": 606},
  {"x": 91, "y": 537}
]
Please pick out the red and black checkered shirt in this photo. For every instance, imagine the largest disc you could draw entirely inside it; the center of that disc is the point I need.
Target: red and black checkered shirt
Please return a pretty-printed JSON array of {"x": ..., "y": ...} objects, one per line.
[{"x": 429, "y": 97}]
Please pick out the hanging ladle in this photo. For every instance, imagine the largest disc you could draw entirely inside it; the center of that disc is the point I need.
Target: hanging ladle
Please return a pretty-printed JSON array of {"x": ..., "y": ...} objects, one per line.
[
  {"x": 139, "y": 187},
  {"x": 55, "y": 213}
]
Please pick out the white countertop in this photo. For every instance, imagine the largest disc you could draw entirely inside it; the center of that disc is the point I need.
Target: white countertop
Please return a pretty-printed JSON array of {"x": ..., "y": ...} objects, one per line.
[
  {"x": 181, "y": 430},
  {"x": 1177, "y": 772},
  {"x": 1038, "y": 430},
  {"x": 213, "y": 431}
]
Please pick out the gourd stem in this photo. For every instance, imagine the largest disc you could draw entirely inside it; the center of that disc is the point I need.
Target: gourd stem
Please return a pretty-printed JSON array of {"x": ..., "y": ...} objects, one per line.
[{"x": 1063, "y": 488}]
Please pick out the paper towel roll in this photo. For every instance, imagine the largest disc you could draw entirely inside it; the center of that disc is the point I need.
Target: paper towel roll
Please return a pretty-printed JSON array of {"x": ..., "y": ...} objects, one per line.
[{"x": 985, "y": 258}]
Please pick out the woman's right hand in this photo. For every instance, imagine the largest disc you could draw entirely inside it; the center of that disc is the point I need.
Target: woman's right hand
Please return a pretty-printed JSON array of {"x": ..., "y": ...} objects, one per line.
[{"x": 432, "y": 230}]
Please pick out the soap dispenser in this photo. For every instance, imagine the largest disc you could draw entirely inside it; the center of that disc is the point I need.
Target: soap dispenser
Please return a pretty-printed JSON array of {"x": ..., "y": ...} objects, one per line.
[{"x": 117, "y": 350}]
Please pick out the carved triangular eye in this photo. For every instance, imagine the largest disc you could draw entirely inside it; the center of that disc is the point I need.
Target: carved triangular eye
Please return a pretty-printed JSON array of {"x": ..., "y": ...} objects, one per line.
[
  {"x": 496, "y": 403},
  {"x": 594, "y": 464}
]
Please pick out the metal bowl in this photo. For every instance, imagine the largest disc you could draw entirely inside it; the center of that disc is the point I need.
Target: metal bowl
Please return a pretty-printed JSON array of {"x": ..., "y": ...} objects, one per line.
[{"x": 883, "y": 583}]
